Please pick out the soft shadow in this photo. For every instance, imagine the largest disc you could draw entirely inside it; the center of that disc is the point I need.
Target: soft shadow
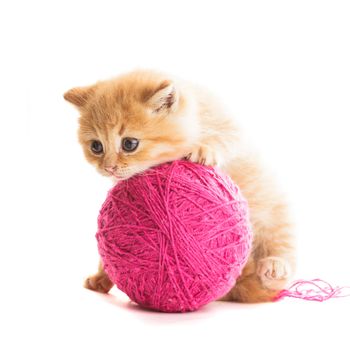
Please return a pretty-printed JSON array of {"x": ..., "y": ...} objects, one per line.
[{"x": 161, "y": 318}]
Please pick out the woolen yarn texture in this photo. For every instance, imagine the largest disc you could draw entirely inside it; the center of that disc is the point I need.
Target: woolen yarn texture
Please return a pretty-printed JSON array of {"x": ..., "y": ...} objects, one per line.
[{"x": 175, "y": 237}]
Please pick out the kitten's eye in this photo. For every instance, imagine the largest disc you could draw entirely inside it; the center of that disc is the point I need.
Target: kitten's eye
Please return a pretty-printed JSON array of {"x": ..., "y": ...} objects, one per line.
[
  {"x": 129, "y": 144},
  {"x": 96, "y": 147}
]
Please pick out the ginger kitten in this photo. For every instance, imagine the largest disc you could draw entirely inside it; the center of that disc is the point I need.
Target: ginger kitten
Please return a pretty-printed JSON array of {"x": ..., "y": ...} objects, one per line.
[{"x": 142, "y": 119}]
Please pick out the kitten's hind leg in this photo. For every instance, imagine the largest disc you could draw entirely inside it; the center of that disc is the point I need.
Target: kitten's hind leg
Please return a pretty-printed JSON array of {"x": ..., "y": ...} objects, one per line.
[
  {"x": 99, "y": 282},
  {"x": 260, "y": 281},
  {"x": 248, "y": 288}
]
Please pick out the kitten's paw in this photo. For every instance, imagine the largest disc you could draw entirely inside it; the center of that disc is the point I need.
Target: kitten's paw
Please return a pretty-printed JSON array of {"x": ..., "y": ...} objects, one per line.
[
  {"x": 274, "y": 272},
  {"x": 98, "y": 283},
  {"x": 203, "y": 155}
]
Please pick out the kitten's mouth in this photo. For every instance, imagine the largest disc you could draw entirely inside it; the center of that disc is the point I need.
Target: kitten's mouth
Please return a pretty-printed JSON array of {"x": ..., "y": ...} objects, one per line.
[
  {"x": 112, "y": 173},
  {"x": 124, "y": 174},
  {"x": 116, "y": 176}
]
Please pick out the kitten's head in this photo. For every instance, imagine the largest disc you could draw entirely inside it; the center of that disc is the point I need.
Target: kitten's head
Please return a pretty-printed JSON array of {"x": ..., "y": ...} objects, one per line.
[{"x": 134, "y": 122}]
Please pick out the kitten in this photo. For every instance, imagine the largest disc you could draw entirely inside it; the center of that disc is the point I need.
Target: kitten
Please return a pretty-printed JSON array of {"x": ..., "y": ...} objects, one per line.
[{"x": 144, "y": 118}]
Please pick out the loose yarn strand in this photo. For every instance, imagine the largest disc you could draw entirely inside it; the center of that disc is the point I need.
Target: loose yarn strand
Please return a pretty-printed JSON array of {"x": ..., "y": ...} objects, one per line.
[{"x": 313, "y": 290}]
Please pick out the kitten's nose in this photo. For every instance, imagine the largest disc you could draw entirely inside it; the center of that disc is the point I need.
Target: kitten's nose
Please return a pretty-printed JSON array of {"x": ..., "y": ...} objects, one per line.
[{"x": 111, "y": 169}]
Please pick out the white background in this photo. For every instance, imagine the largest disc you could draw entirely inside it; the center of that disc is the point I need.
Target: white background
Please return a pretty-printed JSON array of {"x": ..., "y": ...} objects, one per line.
[{"x": 283, "y": 69}]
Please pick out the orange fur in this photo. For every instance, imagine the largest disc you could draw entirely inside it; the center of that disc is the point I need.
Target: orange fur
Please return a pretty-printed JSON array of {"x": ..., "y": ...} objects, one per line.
[{"x": 173, "y": 119}]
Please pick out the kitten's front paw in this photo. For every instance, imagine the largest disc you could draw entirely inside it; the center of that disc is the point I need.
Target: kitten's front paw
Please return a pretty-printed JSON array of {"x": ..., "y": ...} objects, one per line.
[
  {"x": 98, "y": 283},
  {"x": 203, "y": 155},
  {"x": 274, "y": 272}
]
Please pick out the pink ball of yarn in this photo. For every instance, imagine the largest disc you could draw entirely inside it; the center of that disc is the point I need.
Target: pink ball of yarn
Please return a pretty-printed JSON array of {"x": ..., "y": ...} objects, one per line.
[{"x": 175, "y": 237}]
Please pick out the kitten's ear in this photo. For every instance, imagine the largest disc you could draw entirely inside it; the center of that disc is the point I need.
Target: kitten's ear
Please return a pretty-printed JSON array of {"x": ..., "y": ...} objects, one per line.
[
  {"x": 79, "y": 96},
  {"x": 165, "y": 97}
]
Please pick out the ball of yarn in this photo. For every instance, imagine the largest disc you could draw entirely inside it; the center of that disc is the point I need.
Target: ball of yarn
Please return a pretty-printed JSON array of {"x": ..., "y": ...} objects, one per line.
[{"x": 175, "y": 237}]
